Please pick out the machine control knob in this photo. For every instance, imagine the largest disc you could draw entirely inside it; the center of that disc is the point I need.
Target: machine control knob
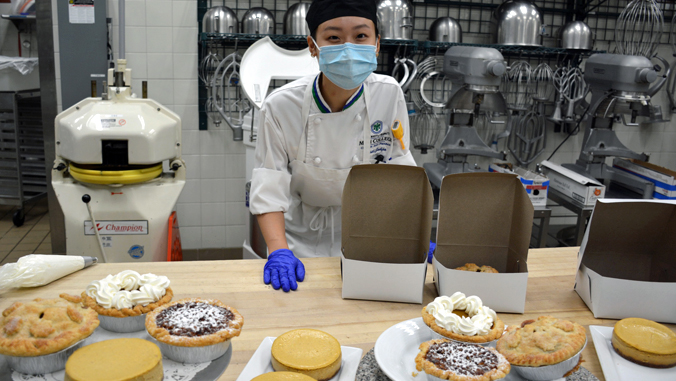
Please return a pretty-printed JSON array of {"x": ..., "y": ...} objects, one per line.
[
  {"x": 646, "y": 76},
  {"x": 60, "y": 167},
  {"x": 496, "y": 68},
  {"x": 86, "y": 198}
]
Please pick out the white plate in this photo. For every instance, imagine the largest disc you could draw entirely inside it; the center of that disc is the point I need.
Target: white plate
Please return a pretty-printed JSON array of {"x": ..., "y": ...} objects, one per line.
[
  {"x": 616, "y": 368},
  {"x": 396, "y": 348},
  {"x": 260, "y": 362}
]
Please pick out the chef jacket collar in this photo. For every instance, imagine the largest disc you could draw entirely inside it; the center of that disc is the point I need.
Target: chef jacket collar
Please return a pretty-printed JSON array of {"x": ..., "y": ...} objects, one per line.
[{"x": 323, "y": 106}]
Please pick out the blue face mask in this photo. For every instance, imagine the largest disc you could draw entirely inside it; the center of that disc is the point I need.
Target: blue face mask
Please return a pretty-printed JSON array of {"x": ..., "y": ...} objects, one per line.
[{"x": 347, "y": 65}]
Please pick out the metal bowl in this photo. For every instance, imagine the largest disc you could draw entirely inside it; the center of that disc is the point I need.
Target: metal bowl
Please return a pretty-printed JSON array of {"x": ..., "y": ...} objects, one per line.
[
  {"x": 519, "y": 22},
  {"x": 445, "y": 29},
  {"x": 294, "y": 20},
  {"x": 576, "y": 35},
  {"x": 43, "y": 364},
  {"x": 395, "y": 19},
  {"x": 258, "y": 20},
  {"x": 220, "y": 19},
  {"x": 123, "y": 325},
  {"x": 549, "y": 372},
  {"x": 193, "y": 355}
]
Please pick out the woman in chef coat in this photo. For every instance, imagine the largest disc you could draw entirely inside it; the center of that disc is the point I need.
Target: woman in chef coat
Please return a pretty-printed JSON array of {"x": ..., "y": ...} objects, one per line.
[{"x": 313, "y": 130}]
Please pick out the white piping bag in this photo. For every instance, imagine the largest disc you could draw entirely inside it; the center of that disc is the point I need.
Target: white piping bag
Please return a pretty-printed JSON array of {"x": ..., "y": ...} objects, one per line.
[{"x": 35, "y": 270}]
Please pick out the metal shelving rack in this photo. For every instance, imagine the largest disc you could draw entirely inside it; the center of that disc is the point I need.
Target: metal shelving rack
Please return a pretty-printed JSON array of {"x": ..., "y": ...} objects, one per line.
[{"x": 22, "y": 156}]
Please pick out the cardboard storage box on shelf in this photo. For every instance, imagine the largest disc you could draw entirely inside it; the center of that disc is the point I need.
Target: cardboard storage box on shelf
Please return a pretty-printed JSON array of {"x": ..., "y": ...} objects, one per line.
[
  {"x": 386, "y": 227},
  {"x": 582, "y": 189},
  {"x": 484, "y": 218},
  {"x": 626, "y": 264},
  {"x": 536, "y": 185},
  {"x": 663, "y": 178}
]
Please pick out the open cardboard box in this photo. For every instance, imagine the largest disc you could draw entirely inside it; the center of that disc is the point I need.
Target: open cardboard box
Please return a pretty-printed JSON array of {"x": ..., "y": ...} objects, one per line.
[
  {"x": 386, "y": 226},
  {"x": 484, "y": 218},
  {"x": 663, "y": 178},
  {"x": 626, "y": 264},
  {"x": 536, "y": 185},
  {"x": 581, "y": 189}
]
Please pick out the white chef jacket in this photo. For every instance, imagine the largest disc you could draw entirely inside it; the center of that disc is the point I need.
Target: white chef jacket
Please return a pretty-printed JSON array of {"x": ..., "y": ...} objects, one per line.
[{"x": 326, "y": 143}]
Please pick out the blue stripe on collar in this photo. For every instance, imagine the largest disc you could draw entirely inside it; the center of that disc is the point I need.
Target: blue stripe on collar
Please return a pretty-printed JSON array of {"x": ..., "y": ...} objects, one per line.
[{"x": 323, "y": 107}]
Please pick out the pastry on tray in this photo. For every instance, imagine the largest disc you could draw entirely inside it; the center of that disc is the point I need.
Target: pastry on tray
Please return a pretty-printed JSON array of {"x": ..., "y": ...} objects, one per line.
[
  {"x": 645, "y": 342},
  {"x": 128, "y": 359},
  {"x": 44, "y": 326},
  {"x": 122, "y": 300},
  {"x": 308, "y": 351},
  {"x": 542, "y": 342},
  {"x": 473, "y": 267},
  {"x": 462, "y": 318},
  {"x": 450, "y": 360},
  {"x": 194, "y": 330},
  {"x": 283, "y": 376}
]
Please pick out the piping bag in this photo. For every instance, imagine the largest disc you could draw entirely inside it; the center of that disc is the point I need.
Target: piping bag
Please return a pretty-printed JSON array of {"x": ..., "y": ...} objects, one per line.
[{"x": 35, "y": 270}]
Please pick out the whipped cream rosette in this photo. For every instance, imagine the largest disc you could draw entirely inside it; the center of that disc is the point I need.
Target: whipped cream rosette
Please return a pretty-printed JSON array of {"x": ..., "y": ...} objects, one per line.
[
  {"x": 463, "y": 318},
  {"x": 122, "y": 300}
]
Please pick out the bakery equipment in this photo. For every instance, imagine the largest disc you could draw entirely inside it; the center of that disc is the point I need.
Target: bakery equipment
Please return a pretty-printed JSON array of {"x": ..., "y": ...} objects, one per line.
[
  {"x": 671, "y": 86},
  {"x": 220, "y": 19},
  {"x": 294, "y": 19},
  {"x": 639, "y": 28},
  {"x": 258, "y": 20},
  {"x": 620, "y": 87},
  {"x": 475, "y": 73},
  {"x": 518, "y": 22},
  {"x": 576, "y": 35},
  {"x": 226, "y": 94},
  {"x": 445, "y": 29},
  {"x": 425, "y": 129},
  {"x": 395, "y": 19}
]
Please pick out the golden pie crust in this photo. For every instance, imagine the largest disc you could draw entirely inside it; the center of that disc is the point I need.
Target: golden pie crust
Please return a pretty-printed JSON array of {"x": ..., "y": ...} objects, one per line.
[
  {"x": 234, "y": 326},
  {"x": 500, "y": 370},
  {"x": 473, "y": 267},
  {"x": 645, "y": 342},
  {"x": 283, "y": 376},
  {"x": 44, "y": 326},
  {"x": 495, "y": 333},
  {"x": 545, "y": 341},
  {"x": 311, "y": 352},
  {"x": 137, "y": 310}
]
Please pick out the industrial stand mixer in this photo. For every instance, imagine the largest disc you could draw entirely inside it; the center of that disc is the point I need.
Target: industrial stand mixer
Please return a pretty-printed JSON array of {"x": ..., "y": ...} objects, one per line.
[
  {"x": 476, "y": 74},
  {"x": 121, "y": 156}
]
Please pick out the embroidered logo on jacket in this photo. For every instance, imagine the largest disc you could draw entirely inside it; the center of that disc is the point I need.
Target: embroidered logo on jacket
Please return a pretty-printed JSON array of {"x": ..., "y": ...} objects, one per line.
[{"x": 377, "y": 127}]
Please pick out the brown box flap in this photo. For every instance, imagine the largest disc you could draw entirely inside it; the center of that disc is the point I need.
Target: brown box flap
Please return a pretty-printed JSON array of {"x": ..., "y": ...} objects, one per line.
[
  {"x": 633, "y": 241},
  {"x": 656, "y": 168},
  {"x": 484, "y": 218},
  {"x": 387, "y": 214}
]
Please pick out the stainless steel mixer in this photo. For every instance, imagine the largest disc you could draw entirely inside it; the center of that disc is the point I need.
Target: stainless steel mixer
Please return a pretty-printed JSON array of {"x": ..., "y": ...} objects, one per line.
[{"x": 476, "y": 73}]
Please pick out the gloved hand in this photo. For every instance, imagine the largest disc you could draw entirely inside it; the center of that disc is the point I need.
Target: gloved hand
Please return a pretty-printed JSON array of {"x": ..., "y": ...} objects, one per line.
[
  {"x": 283, "y": 269},
  {"x": 430, "y": 253}
]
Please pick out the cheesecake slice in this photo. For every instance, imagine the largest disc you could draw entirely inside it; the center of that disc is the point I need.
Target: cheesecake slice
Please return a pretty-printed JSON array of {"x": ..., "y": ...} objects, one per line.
[
  {"x": 645, "y": 342},
  {"x": 308, "y": 351},
  {"x": 283, "y": 376}
]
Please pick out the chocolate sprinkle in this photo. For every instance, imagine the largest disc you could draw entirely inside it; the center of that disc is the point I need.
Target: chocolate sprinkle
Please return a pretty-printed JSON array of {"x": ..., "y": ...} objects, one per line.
[
  {"x": 462, "y": 359},
  {"x": 194, "y": 319}
]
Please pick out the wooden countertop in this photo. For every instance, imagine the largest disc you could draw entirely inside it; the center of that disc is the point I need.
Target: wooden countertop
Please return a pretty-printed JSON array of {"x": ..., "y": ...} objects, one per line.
[{"x": 318, "y": 303}]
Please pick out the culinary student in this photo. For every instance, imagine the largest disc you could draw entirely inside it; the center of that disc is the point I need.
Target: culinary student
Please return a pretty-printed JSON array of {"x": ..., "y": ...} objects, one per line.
[{"x": 313, "y": 130}]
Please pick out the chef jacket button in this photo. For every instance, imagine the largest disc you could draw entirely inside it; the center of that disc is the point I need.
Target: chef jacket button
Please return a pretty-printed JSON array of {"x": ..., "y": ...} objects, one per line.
[
  {"x": 358, "y": 118},
  {"x": 318, "y": 160},
  {"x": 318, "y": 120}
]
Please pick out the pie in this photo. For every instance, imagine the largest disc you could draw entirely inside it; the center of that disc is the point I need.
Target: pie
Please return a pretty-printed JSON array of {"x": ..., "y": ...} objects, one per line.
[
  {"x": 455, "y": 361},
  {"x": 645, "y": 342},
  {"x": 44, "y": 326},
  {"x": 127, "y": 294},
  {"x": 463, "y": 318},
  {"x": 194, "y": 322},
  {"x": 283, "y": 376},
  {"x": 308, "y": 351},
  {"x": 545, "y": 341},
  {"x": 476, "y": 269},
  {"x": 128, "y": 359}
]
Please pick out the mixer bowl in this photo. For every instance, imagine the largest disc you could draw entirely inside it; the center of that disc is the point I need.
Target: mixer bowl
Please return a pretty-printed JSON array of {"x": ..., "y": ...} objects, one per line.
[
  {"x": 258, "y": 20},
  {"x": 294, "y": 20},
  {"x": 220, "y": 19},
  {"x": 445, "y": 29},
  {"x": 576, "y": 35},
  {"x": 519, "y": 22}
]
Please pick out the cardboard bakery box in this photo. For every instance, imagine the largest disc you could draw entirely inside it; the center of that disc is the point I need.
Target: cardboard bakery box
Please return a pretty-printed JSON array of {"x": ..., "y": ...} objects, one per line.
[
  {"x": 584, "y": 190},
  {"x": 486, "y": 219},
  {"x": 663, "y": 178},
  {"x": 626, "y": 264},
  {"x": 535, "y": 184},
  {"x": 386, "y": 227}
]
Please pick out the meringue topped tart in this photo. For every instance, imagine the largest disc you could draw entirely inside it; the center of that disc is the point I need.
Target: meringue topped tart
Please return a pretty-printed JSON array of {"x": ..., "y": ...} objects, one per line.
[
  {"x": 127, "y": 359},
  {"x": 645, "y": 342},
  {"x": 283, "y": 376},
  {"x": 308, "y": 351}
]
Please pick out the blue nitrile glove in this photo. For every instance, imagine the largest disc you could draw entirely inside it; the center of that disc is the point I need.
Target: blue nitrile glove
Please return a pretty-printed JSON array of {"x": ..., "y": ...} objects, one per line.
[
  {"x": 283, "y": 269},
  {"x": 430, "y": 253}
]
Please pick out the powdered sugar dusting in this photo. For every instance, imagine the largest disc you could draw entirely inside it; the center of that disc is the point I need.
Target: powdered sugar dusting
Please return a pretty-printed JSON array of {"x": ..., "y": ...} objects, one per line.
[
  {"x": 194, "y": 319},
  {"x": 462, "y": 359}
]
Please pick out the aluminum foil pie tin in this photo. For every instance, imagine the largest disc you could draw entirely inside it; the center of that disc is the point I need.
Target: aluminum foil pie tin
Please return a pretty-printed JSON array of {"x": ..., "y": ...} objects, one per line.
[
  {"x": 193, "y": 355},
  {"x": 43, "y": 364},
  {"x": 549, "y": 372},
  {"x": 123, "y": 325}
]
